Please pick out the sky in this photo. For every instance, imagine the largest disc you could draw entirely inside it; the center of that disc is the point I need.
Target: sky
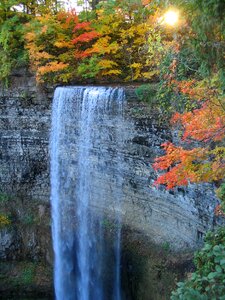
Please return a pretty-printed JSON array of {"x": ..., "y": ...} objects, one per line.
[
  {"x": 72, "y": 4},
  {"x": 67, "y": 3}
]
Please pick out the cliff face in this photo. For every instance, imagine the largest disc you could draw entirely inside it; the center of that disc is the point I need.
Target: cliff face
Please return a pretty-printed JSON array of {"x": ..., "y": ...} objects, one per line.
[
  {"x": 25, "y": 122},
  {"x": 24, "y": 176},
  {"x": 178, "y": 218}
]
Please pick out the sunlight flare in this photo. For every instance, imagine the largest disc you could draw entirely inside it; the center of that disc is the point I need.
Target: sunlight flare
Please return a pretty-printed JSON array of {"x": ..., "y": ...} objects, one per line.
[{"x": 171, "y": 17}]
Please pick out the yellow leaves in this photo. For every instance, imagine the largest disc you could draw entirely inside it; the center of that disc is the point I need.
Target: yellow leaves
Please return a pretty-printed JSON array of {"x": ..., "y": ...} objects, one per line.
[
  {"x": 112, "y": 72},
  {"x": 105, "y": 29},
  {"x": 65, "y": 77},
  {"x": 218, "y": 162},
  {"x": 63, "y": 44},
  {"x": 44, "y": 18},
  {"x": 101, "y": 46},
  {"x": 104, "y": 46},
  {"x": 106, "y": 64},
  {"x": 4, "y": 221},
  {"x": 150, "y": 74},
  {"x": 100, "y": 12},
  {"x": 136, "y": 32},
  {"x": 107, "y": 67},
  {"x": 135, "y": 65}
]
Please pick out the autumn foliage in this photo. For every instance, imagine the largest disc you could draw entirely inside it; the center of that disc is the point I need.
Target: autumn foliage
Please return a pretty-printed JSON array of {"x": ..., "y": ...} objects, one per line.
[
  {"x": 112, "y": 45},
  {"x": 200, "y": 157},
  {"x": 124, "y": 41}
]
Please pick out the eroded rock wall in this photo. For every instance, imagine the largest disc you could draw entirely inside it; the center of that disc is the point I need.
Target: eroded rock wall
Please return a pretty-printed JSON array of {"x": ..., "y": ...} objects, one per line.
[
  {"x": 25, "y": 111},
  {"x": 176, "y": 218}
]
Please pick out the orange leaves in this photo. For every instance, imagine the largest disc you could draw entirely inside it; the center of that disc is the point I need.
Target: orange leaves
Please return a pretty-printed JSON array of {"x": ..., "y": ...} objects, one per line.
[
  {"x": 67, "y": 17},
  {"x": 195, "y": 90},
  {"x": 204, "y": 125},
  {"x": 146, "y": 2},
  {"x": 219, "y": 211},
  {"x": 44, "y": 29},
  {"x": 50, "y": 47},
  {"x": 51, "y": 67},
  {"x": 30, "y": 36},
  {"x": 181, "y": 165}
]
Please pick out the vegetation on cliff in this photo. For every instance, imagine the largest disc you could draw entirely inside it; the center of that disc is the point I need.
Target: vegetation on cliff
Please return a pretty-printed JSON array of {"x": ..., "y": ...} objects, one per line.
[
  {"x": 207, "y": 282},
  {"x": 192, "y": 82},
  {"x": 128, "y": 41}
]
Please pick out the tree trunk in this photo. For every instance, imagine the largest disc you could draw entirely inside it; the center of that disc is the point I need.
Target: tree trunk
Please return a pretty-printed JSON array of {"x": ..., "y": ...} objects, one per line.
[{"x": 93, "y": 4}]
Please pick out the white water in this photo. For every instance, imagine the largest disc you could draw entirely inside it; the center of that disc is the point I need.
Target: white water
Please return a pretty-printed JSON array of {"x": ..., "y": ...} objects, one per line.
[{"x": 86, "y": 150}]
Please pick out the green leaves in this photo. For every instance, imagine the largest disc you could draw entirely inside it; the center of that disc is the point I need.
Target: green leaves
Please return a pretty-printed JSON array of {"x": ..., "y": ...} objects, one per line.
[
  {"x": 208, "y": 280},
  {"x": 12, "y": 52},
  {"x": 89, "y": 67}
]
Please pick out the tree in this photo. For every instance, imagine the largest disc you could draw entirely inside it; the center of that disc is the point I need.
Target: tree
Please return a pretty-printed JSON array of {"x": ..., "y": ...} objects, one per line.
[
  {"x": 199, "y": 156},
  {"x": 121, "y": 50},
  {"x": 205, "y": 125},
  {"x": 12, "y": 53},
  {"x": 14, "y": 14},
  {"x": 50, "y": 46}
]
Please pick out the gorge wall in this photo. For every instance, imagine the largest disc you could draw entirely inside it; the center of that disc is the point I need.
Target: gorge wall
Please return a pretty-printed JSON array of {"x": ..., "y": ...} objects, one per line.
[
  {"x": 179, "y": 218},
  {"x": 156, "y": 222}
]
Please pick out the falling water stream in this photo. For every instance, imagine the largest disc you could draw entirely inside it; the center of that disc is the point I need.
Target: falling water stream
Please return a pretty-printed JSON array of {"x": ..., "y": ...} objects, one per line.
[{"x": 86, "y": 147}]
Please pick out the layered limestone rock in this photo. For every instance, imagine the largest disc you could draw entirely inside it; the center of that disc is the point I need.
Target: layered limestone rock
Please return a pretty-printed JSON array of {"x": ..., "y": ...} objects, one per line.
[{"x": 178, "y": 218}]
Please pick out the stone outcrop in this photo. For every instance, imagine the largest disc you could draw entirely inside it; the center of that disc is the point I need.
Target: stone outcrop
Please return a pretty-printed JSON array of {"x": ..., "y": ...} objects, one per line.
[{"x": 178, "y": 218}]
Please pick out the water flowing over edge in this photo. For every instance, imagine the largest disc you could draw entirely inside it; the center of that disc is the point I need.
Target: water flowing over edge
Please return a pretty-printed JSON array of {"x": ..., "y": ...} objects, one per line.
[{"x": 92, "y": 114}]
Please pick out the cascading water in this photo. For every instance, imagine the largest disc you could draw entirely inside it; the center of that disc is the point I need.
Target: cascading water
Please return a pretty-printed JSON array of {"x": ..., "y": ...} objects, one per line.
[{"x": 86, "y": 145}]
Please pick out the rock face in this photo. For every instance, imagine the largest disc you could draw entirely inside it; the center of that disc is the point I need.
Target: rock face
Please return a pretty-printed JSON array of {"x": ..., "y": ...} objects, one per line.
[
  {"x": 25, "y": 121},
  {"x": 179, "y": 218}
]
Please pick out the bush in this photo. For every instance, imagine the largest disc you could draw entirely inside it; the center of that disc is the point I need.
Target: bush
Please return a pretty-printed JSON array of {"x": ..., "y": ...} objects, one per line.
[{"x": 208, "y": 281}]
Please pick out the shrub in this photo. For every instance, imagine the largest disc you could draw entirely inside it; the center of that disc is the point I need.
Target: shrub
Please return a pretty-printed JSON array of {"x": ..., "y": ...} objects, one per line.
[{"x": 207, "y": 282}]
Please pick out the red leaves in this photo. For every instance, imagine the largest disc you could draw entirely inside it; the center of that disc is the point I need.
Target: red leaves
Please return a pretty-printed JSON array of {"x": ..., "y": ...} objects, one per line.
[
  {"x": 83, "y": 26},
  {"x": 84, "y": 33},
  {"x": 86, "y": 37}
]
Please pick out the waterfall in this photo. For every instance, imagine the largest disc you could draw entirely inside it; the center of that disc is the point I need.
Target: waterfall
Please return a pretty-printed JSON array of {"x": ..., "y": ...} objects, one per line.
[{"x": 86, "y": 150}]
